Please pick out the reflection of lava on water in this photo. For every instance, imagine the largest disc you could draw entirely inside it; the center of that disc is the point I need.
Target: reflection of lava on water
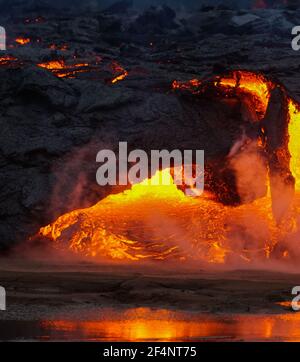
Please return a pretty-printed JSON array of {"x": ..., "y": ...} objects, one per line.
[
  {"x": 160, "y": 222},
  {"x": 145, "y": 324}
]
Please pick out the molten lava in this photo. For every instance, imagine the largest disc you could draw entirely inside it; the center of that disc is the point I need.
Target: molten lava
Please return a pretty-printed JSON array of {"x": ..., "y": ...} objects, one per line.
[
  {"x": 160, "y": 222},
  {"x": 191, "y": 85},
  {"x": 255, "y": 84},
  {"x": 62, "y": 70},
  {"x": 120, "y": 72},
  {"x": 22, "y": 41},
  {"x": 6, "y": 60}
]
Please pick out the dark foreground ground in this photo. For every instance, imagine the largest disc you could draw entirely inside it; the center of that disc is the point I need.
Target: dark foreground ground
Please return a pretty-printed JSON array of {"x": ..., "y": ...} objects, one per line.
[
  {"x": 122, "y": 303},
  {"x": 39, "y": 291}
]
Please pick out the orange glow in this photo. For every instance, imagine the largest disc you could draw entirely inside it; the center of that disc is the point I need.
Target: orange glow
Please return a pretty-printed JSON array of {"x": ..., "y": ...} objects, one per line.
[
  {"x": 131, "y": 207},
  {"x": 22, "y": 41},
  {"x": 294, "y": 145},
  {"x": 124, "y": 226},
  {"x": 7, "y": 59},
  {"x": 255, "y": 84},
  {"x": 145, "y": 324},
  {"x": 190, "y": 85},
  {"x": 62, "y": 70},
  {"x": 63, "y": 47},
  {"x": 122, "y": 73},
  {"x": 260, "y": 87},
  {"x": 53, "y": 65},
  {"x": 285, "y": 304}
]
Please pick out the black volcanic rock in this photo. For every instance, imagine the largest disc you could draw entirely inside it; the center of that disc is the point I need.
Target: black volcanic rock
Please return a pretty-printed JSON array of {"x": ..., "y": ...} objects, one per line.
[
  {"x": 155, "y": 20},
  {"x": 45, "y": 119},
  {"x": 119, "y": 7}
]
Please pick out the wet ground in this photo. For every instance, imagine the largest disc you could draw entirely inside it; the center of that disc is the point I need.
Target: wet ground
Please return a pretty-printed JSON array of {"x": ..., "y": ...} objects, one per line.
[
  {"x": 89, "y": 302},
  {"x": 145, "y": 324}
]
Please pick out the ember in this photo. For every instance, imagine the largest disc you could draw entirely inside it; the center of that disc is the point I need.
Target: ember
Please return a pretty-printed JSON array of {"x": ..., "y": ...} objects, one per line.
[
  {"x": 193, "y": 84},
  {"x": 22, "y": 41}
]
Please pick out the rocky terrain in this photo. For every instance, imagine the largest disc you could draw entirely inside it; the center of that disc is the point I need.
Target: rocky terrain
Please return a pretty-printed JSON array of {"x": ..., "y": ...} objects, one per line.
[{"x": 113, "y": 82}]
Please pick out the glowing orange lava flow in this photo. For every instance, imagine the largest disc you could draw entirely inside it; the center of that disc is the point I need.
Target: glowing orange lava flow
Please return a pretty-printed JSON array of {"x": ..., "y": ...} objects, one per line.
[
  {"x": 22, "y": 41},
  {"x": 190, "y": 85},
  {"x": 260, "y": 87},
  {"x": 160, "y": 222},
  {"x": 62, "y": 70},
  {"x": 255, "y": 84},
  {"x": 7, "y": 59},
  {"x": 122, "y": 73}
]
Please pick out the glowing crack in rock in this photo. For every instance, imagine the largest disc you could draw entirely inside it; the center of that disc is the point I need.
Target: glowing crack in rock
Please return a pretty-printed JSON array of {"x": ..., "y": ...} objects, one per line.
[{"x": 62, "y": 70}]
